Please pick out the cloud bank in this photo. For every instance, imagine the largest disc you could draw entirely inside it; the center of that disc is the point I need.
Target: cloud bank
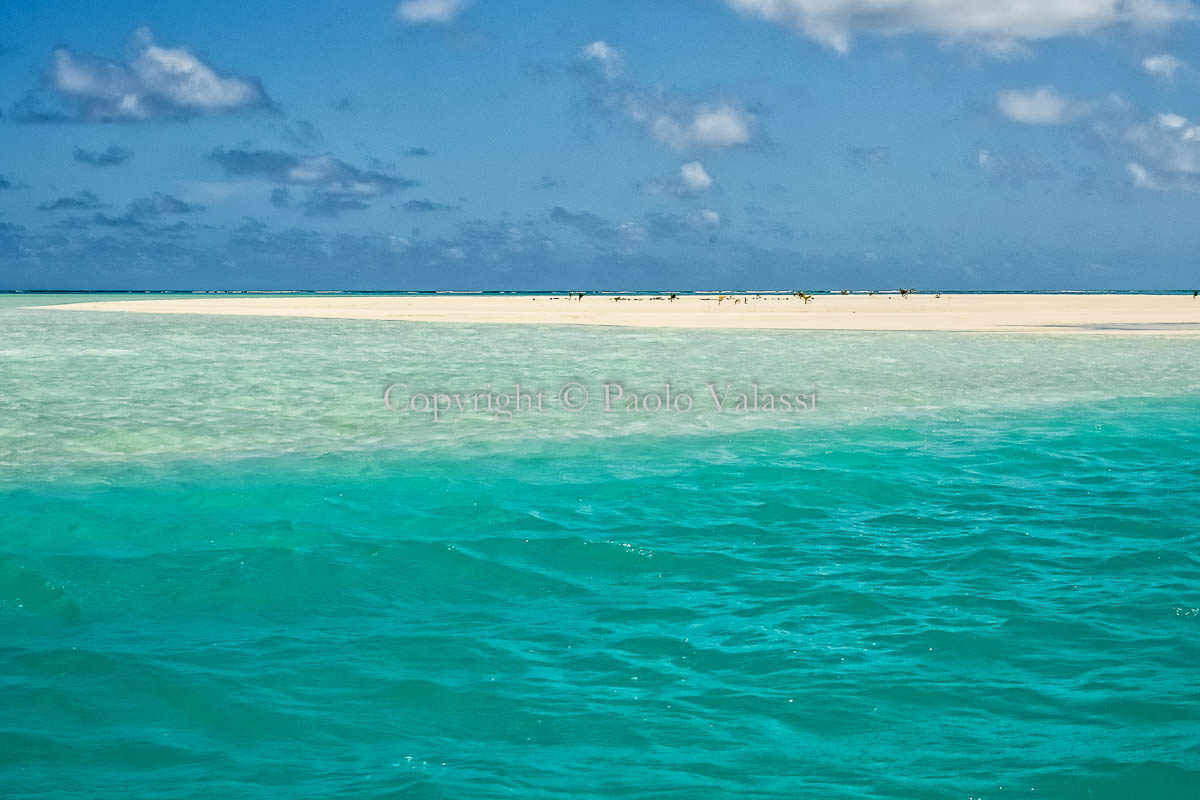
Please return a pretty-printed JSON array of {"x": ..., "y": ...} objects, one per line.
[
  {"x": 82, "y": 201},
  {"x": 999, "y": 25},
  {"x": 111, "y": 157},
  {"x": 334, "y": 185}
]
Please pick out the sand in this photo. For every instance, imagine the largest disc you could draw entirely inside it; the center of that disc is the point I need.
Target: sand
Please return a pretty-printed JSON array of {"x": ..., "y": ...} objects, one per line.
[{"x": 995, "y": 313}]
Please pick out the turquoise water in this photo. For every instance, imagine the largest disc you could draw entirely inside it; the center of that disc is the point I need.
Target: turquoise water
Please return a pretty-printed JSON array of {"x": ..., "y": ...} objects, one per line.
[{"x": 226, "y": 567}]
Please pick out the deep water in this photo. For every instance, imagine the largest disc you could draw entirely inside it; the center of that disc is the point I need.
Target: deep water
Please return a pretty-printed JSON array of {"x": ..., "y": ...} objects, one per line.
[{"x": 226, "y": 569}]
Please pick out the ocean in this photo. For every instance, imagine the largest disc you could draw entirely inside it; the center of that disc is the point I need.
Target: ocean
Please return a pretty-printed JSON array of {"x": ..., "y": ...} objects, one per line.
[{"x": 239, "y": 556}]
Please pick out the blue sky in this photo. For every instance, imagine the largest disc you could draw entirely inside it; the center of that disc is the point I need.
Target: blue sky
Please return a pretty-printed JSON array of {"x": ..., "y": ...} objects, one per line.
[{"x": 678, "y": 144}]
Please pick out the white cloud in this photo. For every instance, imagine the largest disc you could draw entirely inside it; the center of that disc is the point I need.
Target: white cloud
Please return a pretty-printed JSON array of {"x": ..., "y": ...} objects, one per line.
[
  {"x": 154, "y": 82},
  {"x": 998, "y": 24},
  {"x": 429, "y": 12},
  {"x": 1168, "y": 147},
  {"x": 676, "y": 122},
  {"x": 721, "y": 127},
  {"x": 694, "y": 177},
  {"x": 610, "y": 59},
  {"x": 1161, "y": 152},
  {"x": 706, "y": 218},
  {"x": 1164, "y": 66},
  {"x": 688, "y": 128},
  {"x": 1141, "y": 176},
  {"x": 1044, "y": 105}
]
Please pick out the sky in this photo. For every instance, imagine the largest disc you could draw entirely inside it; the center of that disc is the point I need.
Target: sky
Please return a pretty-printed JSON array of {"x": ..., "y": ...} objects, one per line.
[{"x": 588, "y": 145}]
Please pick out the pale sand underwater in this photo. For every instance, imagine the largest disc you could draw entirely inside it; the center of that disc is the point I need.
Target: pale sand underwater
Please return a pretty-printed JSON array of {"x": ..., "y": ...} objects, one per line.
[{"x": 995, "y": 313}]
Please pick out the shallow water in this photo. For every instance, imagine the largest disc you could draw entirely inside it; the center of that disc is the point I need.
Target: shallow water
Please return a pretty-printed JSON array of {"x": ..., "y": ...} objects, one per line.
[{"x": 226, "y": 566}]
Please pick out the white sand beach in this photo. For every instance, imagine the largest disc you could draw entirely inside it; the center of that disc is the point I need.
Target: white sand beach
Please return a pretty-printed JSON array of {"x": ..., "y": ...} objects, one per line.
[{"x": 990, "y": 313}]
